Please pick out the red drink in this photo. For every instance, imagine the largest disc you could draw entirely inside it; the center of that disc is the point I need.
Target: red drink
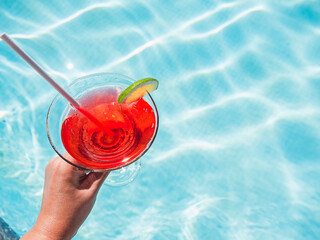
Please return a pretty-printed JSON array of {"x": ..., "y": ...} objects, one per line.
[{"x": 128, "y": 130}]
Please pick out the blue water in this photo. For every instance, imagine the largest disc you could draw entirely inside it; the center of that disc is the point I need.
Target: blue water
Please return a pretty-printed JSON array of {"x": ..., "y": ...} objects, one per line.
[{"x": 237, "y": 154}]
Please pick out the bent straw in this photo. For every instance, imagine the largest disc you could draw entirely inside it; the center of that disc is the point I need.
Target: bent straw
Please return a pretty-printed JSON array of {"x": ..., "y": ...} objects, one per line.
[{"x": 46, "y": 76}]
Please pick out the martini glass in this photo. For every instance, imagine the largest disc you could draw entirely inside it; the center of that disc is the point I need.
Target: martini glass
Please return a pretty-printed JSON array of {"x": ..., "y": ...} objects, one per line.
[{"x": 124, "y": 163}]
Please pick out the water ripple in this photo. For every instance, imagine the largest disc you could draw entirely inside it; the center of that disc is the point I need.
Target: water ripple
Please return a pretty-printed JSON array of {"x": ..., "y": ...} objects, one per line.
[
  {"x": 173, "y": 33},
  {"x": 236, "y": 155},
  {"x": 225, "y": 25},
  {"x": 61, "y": 22},
  {"x": 178, "y": 149}
]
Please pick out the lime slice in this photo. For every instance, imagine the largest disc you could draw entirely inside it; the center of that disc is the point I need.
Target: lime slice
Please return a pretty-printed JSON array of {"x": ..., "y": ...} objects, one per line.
[{"x": 138, "y": 89}]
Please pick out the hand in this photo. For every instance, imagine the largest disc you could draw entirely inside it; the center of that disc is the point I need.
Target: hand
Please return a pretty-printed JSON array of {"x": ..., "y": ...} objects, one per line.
[{"x": 68, "y": 197}]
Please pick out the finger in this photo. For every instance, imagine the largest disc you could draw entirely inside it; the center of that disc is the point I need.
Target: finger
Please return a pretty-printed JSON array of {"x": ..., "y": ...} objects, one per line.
[
  {"x": 72, "y": 165},
  {"x": 99, "y": 178},
  {"x": 85, "y": 178},
  {"x": 58, "y": 164}
]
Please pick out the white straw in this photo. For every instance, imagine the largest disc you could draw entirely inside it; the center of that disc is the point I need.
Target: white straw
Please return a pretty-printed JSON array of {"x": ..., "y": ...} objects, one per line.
[{"x": 36, "y": 67}]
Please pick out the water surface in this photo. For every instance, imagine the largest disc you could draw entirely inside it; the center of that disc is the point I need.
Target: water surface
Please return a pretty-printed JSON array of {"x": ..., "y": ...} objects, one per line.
[{"x": 237, "y": 152}]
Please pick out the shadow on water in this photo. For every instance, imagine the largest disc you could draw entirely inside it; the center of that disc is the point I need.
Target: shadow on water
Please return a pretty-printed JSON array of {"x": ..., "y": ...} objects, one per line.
[{"x": 7, "y": 233}]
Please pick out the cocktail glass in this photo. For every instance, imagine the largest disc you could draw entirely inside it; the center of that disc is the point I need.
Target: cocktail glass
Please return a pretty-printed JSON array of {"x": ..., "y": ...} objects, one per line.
[{"x": 126, "y": 168}]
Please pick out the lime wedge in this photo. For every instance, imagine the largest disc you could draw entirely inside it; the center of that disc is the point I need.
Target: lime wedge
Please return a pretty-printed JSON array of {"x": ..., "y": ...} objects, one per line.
[{"x": 137, "y": 90}]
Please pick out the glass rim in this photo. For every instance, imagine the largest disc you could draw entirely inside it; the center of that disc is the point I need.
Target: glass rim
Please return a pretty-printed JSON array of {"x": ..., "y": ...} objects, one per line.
[{"x": 102, "y": 169}]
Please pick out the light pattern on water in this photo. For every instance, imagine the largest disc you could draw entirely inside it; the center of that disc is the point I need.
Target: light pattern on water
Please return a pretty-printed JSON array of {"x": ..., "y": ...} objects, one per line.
[{"x": 237, "y": 152}]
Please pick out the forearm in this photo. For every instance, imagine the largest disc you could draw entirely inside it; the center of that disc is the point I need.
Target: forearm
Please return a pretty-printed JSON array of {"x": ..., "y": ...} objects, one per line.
[
  {"x": 33, "y": 234},
  {"x": 41, "y": 232},
  {"x": 68, "y": 197}
]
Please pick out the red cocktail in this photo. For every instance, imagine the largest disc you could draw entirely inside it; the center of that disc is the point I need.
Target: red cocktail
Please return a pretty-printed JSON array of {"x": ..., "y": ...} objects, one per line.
[
  {"x": 102, "y": 135},
  {"x": 128, "y": 129}
]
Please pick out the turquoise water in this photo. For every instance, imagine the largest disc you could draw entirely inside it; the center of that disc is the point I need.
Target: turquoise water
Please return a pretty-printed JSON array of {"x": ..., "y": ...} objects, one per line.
[{"x": 237, "y": 154}]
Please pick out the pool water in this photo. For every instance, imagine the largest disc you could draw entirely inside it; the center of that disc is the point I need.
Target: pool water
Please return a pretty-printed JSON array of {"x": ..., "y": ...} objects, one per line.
[{"x": 237, "y": 154}]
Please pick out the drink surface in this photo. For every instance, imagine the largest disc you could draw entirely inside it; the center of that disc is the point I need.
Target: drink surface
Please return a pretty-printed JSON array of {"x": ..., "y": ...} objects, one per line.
[{"x": 127, "y": 130}]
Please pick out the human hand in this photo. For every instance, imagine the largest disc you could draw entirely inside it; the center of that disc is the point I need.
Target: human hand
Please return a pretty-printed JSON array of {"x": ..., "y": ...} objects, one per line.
[{"x": 68, "y": 197}]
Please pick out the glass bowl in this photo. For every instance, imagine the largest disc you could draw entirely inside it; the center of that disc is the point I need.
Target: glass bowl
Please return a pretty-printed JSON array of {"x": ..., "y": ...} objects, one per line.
[{"x": 60, "y": 108}]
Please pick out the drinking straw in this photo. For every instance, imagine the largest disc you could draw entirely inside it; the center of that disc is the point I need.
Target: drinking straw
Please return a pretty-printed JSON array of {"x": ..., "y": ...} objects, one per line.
[
  {"x": 36, "y": 67},
  {"x": 46, "y": 76}
]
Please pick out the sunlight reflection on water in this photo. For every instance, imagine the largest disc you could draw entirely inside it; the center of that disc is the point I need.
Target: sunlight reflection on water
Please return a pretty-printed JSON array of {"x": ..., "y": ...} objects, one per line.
[{"x": 237, "y": 152}]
